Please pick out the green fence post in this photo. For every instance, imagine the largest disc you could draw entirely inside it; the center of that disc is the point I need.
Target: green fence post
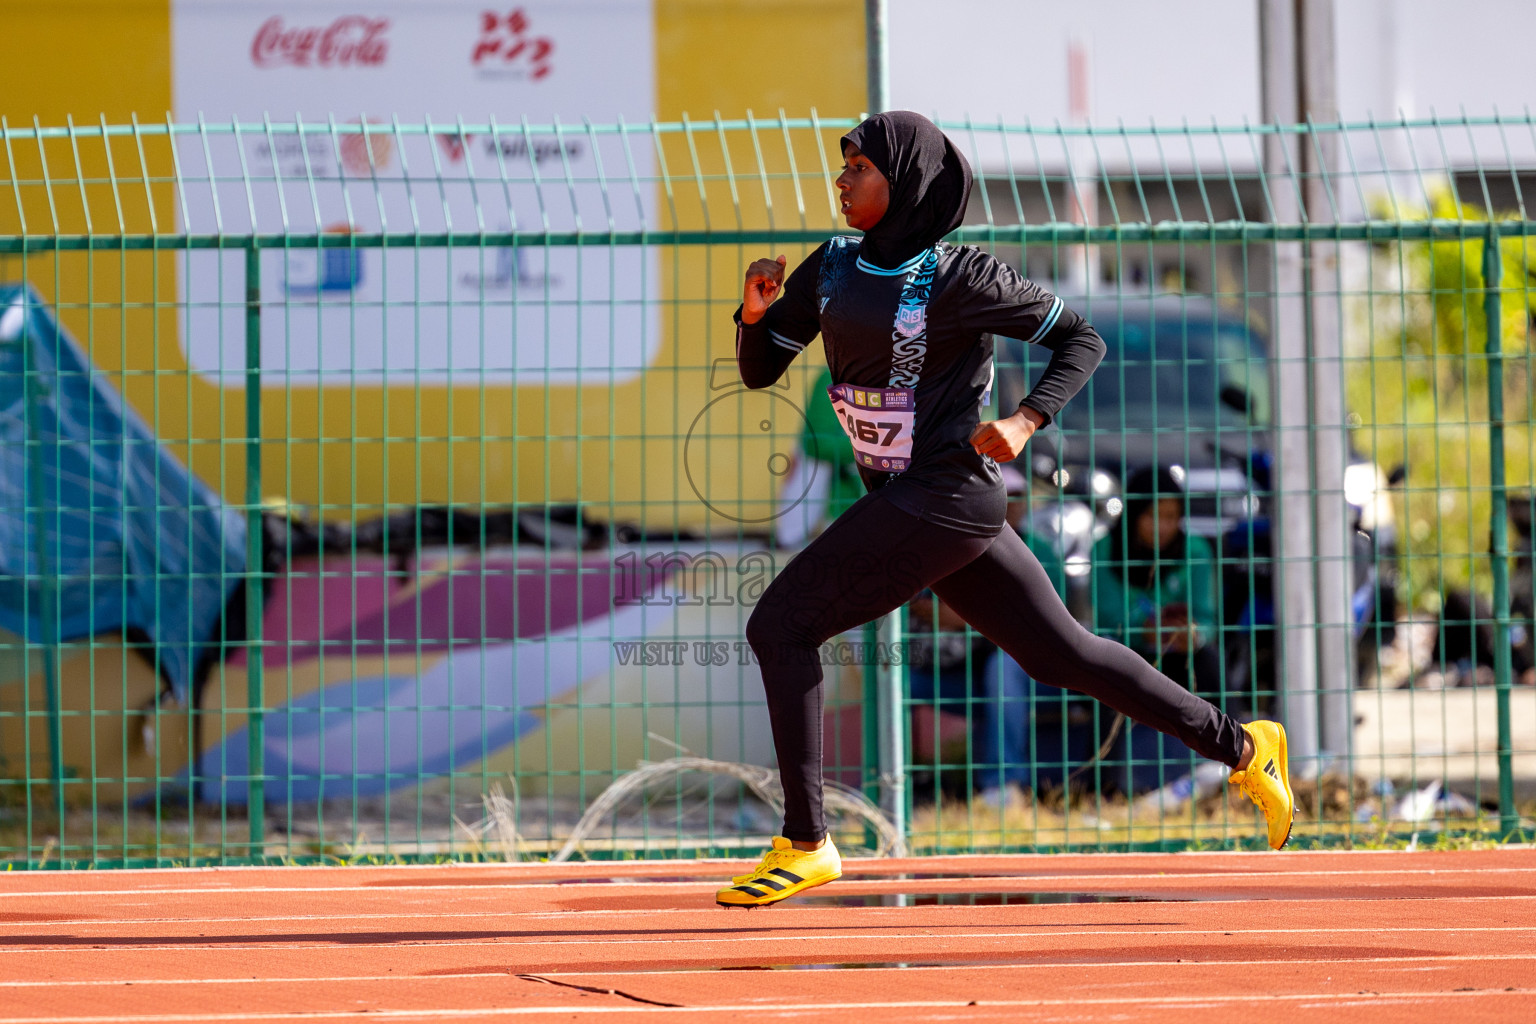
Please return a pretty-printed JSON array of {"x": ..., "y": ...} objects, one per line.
[
  {"x": 869, "y": 746},
  {"x": 48, "y": 613},
  {"x": 1493, "y": 308},
  {"x": 891, "y": 673},
  {"x": 255, "y": 657}
]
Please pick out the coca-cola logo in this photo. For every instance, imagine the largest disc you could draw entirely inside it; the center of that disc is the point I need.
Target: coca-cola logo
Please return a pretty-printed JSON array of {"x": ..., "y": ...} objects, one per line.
[
  {"x": 352, "y": 39},
  {"x": 507, "y": 48}
]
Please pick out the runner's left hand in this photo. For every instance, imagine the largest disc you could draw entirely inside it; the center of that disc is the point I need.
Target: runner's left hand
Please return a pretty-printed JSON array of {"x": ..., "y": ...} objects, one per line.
[{"x": 1004, "y": 439}]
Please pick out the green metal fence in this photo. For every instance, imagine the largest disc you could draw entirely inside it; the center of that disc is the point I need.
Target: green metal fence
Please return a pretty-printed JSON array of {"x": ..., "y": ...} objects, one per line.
[{"x": 386, "y": 490}]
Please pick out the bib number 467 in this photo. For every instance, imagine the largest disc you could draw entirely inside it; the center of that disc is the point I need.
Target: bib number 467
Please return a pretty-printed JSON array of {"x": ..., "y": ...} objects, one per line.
[
  {"x": 869, "y": 432},
  {"x": 883, "y": 440}
]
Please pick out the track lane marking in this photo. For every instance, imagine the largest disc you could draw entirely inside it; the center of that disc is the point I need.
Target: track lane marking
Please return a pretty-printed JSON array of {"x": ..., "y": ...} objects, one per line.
[
  {"x": 722, "y": 938},
  {"x": 1386, "y": 873},
  {"x": 1105, "y": 965},
  {"x": 539, "y": 915},
  {"x": 1509, "y": 850},
  {"x": 449, "y": 1013}
]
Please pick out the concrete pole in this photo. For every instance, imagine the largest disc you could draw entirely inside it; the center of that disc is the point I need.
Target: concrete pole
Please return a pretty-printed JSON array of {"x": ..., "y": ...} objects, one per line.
[
  {"x": 877, "y": 55},
  {"x": 1395, "y": 100},
  {"x": 1080, "y": 263},
  {"x": 1330, "y": 438},
  {"x": 1295, "y": 598}
]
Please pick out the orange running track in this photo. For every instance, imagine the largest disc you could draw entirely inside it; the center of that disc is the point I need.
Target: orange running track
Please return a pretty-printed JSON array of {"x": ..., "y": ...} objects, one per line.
[{"x": 1209, "y": 937}]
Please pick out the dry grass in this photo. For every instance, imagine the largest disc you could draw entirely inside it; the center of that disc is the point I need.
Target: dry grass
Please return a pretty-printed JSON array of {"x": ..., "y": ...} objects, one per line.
[
  {"x": 536, "y": 828},
  {"x": 1325, "y": 812}
]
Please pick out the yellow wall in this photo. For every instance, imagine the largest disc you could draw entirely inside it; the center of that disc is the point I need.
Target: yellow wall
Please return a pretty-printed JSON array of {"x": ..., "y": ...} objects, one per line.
[
  {"x": 117, "y": 742},
  {"x": 512, "y": 444}
]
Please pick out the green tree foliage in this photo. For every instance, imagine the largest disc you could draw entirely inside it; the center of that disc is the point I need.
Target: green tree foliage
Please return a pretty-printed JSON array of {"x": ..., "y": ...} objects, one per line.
[
  {"x": 1451, "y": 272},
  {"x": 1417, "y": 383}
]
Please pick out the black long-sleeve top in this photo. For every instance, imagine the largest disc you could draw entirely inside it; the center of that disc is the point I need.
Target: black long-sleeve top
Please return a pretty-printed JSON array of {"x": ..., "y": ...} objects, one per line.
[{"x": 925, "y": 325}]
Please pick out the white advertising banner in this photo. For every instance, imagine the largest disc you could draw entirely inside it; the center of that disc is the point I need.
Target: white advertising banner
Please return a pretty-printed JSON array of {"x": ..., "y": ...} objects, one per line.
[{"x": 343, "y": 316}]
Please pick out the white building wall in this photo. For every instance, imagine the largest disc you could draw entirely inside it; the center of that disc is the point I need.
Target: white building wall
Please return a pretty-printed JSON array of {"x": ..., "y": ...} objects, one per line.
[{"x": 1197, "y": 61}]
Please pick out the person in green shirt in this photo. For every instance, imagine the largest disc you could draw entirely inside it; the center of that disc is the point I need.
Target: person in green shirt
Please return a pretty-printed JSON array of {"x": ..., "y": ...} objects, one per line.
[
  {"x": 1155, "y": 583},
  {"x": 825, "y": 453},
  {"x": 823, "y": 439},
  {"x": 1005, "y": 726},
  {"x": 1017, "y": 486}
]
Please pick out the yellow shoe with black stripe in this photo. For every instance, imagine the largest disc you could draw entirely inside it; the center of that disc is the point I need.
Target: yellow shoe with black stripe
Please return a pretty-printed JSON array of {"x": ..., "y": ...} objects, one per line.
[
  {"x": 1267, "y": 779},
  {"x": 783, "y": 872}
]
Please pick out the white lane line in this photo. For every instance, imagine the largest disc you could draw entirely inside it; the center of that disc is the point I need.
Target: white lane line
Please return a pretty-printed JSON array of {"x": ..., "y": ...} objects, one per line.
[
  {"x": 1173, "y": 901},
  {"x": 722, "y": 938},
  {"x": 1333, "y": 999},
  {"x": 947, "y": 858},
  {"x": 564, "y": 915},
  {"x": 1106, "y": 965},
  {"x": 1145, "y": 877}
]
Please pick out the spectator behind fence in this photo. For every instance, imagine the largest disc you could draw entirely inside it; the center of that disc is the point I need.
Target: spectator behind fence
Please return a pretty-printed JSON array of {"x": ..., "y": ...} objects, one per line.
[
  {"x": 1154, "y": 584},
  {"x": 944, "y": 662},
  {"x": 1467, "y": 641},
  {"x": 1004, "y": 722}
]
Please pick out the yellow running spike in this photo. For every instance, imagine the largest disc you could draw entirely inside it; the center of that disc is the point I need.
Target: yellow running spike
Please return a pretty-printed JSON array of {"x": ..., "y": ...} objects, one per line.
[
  {"x": 783, "y": 872},
  {"x": 1267, "y": 780}
]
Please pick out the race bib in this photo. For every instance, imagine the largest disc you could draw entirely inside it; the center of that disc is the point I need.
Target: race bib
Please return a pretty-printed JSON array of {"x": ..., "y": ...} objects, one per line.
[{"x": 879, "y": 423}]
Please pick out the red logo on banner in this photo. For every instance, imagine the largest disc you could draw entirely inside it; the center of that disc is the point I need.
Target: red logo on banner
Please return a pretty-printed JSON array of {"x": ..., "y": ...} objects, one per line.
[
  {"x": 353, "y": 39},
  {"x": 505, "y": 47},
  {"x": 365, "y": 151},
  {"x": 453, "y": 146}
]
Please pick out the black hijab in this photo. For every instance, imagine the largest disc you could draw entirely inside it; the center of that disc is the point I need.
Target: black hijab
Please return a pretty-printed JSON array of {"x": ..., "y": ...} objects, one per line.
[{"x": 930, "y": 182}]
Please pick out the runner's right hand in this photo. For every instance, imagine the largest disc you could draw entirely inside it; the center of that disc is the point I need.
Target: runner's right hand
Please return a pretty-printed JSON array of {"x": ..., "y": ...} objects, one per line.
[{"x": 764, "y": 279}]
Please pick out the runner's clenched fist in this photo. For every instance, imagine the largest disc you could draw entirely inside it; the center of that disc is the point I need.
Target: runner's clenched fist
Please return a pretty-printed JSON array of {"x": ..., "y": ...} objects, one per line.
[
  {"x": 764, "y": 279},
  {"x": 1002, "y": 440}
]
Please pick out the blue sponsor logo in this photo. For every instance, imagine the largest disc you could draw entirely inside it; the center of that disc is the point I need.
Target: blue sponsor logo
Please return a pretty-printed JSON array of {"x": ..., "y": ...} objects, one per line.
[{"x": 323, "y": 271}]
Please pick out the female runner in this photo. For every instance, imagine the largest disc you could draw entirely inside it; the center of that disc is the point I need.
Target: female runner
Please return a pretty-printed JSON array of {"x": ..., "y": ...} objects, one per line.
[{"x": 905, "y": 320}]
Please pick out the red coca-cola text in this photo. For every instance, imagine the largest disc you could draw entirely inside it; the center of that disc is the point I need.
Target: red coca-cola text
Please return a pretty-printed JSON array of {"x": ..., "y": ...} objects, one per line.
[{"x": 353, "y": 39}]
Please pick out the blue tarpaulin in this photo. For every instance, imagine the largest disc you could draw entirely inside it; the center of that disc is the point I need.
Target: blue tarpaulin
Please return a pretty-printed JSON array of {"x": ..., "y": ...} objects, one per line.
[{"x": 93, "y": 506}]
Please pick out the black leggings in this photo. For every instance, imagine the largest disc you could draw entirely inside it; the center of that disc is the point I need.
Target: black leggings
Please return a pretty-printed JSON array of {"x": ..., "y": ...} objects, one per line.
[{"x": 874, "y": 559}]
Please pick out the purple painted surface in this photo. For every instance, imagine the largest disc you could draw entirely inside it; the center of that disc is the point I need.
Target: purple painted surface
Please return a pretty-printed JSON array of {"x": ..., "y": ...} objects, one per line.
[
  {"x": 317, "y": 600},
  {"x": 363, "y": 606},
  {"x": 429, "y": 717}
]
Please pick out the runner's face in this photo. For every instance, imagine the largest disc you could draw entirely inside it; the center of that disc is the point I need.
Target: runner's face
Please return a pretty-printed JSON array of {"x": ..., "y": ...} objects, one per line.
[{"x": 862, "y": 190}]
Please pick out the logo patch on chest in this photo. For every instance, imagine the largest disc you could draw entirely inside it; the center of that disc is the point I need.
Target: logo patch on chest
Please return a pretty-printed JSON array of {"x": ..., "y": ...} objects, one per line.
[
  {"x": 911, "y": 321},
  {"x": 909, "y": 334}
]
